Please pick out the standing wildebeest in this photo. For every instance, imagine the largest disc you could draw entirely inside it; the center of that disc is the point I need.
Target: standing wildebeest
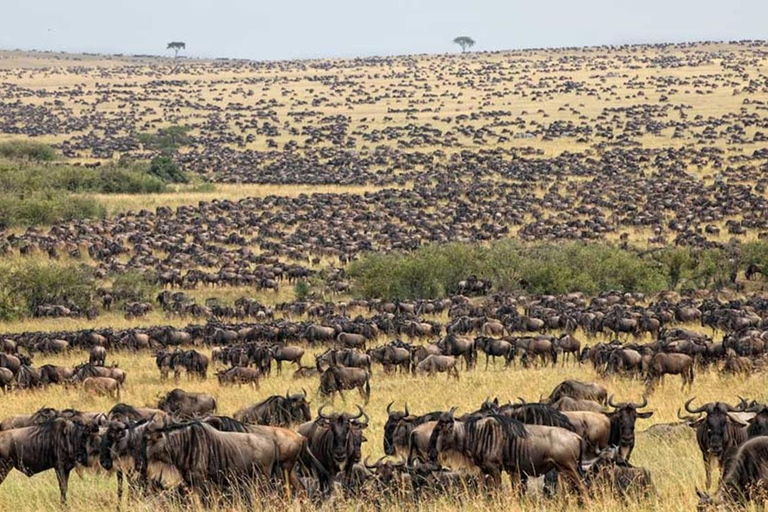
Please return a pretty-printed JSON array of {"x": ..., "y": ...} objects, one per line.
[
  {"x": 57, "y": 444},
  {"x": 290, "y": 353},
  {"x": 27, "y": 420},
  {"x": 85, "y": 370},
  {"x": 210, "y": 461},
  {"x": 183, "y": 404},
  {"x": 336, "y": 439},
  {"x": 438, "y": 364},
  {"x": 6, "y": 379},
  {"x": 579, "y": 390},
  {"x": 746, "y": 478},
  {"x": 459, "y": 346},
  {"x": 496, "y": 443},
  {"x": 277, "y": 411},
  {"x": 623, "y": 420},
  {"x": 398, "y": 428},
  {"x": 97, "y": 356},
  {"x": 391, "y": 357},
  {"x": 670, "y": 364},
  {"x": 493, "y": 348},
  {"x": 719, "y": 433},
  {"x": 120, "y": 449},
  {"x": 336, "y": 379}
]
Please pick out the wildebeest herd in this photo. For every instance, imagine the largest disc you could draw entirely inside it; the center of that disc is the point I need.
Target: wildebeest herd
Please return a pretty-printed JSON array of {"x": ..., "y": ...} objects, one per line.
[{"x": 286, "y": 399}]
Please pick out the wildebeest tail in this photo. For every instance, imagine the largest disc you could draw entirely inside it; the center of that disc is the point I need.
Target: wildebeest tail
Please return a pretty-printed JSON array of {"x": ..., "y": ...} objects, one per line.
[
  {"x": 368, "y": 386},
  {"x": 309, "y": 461}
]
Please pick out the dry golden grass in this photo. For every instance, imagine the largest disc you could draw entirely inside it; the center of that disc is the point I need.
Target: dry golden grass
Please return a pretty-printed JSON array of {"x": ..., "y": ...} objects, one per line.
[{"x": 675, "y": 463}]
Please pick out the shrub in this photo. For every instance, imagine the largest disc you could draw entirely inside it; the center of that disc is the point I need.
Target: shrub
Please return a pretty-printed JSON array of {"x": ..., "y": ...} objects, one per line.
[
  {"x": 134, "y": 286},
  {"x": 166, "y": 169},
  {"x": 26, "y": 286},
  {"x": 27, "y": 150},
  {"x": 46, "y": 208},
  {"x": 301, "y": 289}
]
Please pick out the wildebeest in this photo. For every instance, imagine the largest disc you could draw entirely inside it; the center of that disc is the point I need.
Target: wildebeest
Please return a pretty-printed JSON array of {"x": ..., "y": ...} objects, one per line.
[
  {"x": 239, "y": 375},
  {"x": 670, "y": 364},
  {"x": 27, "y": 420},
  {"x": 496, "y": 443},
  {"x": 567, "y": 403},
  {"x": 579, "y": 390},
  {"x": 336, "y": 379},
  {"x": 97, "y": 356},
  {"x": 6, "y": 379},
  {"x": 493, "y": 348},
  {"x": 277, "y": 411},
  {"x": 746, "y": 478},
  {"x": 183, "y": 404},
  {"x": 336, "y": 439},
  {"x": 719, "y": 433},
  {"x": 391, "y": 357},
  {"x": 102, "y": 386},
  {"x": 610, "y": 472},
  {"x": 398, "y": 428},
  {"x": 85, "y": 370},
  {"x": 438, "y": 364},
  {"x": 623, "y": 419},
  {"x": 290, "y": 353},
  {"x": 210, "y": 461},
  {"x": 57, "y": 444}
]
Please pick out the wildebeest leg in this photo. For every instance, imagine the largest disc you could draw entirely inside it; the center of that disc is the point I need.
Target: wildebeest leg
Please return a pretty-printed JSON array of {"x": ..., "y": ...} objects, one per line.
[
  {"x": 708, "y": 470},
  {"x": 571, "y": 475},
  {"x": 279, "y": 365},
  {"x": 550, "y": 483},
  {"x": 120, "y": 488},
  {"x": 5, "y": 468},
  {"x": 62, "y": 475}
]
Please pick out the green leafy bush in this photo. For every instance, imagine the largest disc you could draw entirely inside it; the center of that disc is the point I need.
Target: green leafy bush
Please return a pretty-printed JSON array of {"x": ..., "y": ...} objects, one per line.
[
  {"x": 26, "y": 286},
  {"x": 27, "y": 150},
  {"x": 134, "y": 286},
  {"x": 166, "y": 169}
]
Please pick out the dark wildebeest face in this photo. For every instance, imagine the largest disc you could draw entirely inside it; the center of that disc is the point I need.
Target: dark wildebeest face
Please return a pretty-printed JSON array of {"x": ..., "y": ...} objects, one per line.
[
  {"x": 114, "y": 441},
  {"x": 715, "y": 423},
  {"x": 442, "y": 435},
  {"x": 346, "y": 435},
  {"x": 623, "y": 420},
  {"x": 394, "y": 420},
  {"x": 80, "y": 436},
  {"x": 758, "y": 425},
  {"x": 298, "y": 407}
]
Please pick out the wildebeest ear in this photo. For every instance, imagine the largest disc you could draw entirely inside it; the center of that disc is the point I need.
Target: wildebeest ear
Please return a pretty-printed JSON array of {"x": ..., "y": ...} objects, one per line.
[
  {"x": 645, "y": 415},
  {"x": 737, "y": 420}
]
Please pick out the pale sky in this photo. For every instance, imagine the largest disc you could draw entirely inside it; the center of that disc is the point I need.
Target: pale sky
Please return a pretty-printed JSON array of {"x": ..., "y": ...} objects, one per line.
[{"x": 285, "y": 29}]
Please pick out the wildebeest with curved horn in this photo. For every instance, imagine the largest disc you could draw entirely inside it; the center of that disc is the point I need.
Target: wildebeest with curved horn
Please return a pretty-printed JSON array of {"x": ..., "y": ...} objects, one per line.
[
  {"x": 623, "y": 419},
  {"x": 336, "y": 439},
  {"x": 719, "y": 433},
  {"x": 746, "y": 478}
]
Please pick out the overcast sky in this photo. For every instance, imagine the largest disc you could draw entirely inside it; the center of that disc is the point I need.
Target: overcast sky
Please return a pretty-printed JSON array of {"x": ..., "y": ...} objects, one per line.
[{"x": 284, "y": 29}]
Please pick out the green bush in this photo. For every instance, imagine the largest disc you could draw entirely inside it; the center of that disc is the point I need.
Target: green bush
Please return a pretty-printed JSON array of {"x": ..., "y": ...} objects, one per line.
[
  {"x": 435, "y": 270},
  {"x": 26, "y": 286},
  {"x": 46, "y": 208},
  {"x": 166, "y": 169},
  {"x": 301, "y": 289},
  {"x": 134, "y": 286},
  {"x": 27, "y": 150}
]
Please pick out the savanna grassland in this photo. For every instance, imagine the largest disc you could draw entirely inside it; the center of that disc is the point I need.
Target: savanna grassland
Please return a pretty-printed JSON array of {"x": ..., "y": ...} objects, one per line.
[{"x": 316, "y": 189}]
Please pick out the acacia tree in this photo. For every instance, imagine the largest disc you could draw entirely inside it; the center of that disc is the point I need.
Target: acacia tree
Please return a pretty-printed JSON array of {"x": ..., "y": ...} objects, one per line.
[
  {"x": 465, "y": 42},
  {"x": 176, "y": 46}
]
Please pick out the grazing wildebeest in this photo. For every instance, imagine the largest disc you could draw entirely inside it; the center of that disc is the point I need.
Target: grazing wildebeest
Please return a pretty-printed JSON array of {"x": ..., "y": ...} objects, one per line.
[
  {"x": 126, "y": 413},
  {"x": 579, "y": 390},
  {"x": 51, "y": 374},
  {"x": 57, "y": 444},
  {"x": 438, "y": 364},
  {"x": 610, "y": 472},
  {"x": 746, "y": 478},
  {"x": 277, "y": 411},
  {"x": 97, "y": 356},
  {"x": 183, "y": 404},
  {"x": 210, "y": 461},
  {"x": 102, "y": 386},
  {"x": 239, "y": 375},
  {"x": 85, "y": 370},
  {"x": 336, "y": 379},
  {"x": 719, "y": 433},
  {"x": 336, "y": 439},
  {"x": 670, "y": 364},
  {"x": 459, "y": 346}
]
